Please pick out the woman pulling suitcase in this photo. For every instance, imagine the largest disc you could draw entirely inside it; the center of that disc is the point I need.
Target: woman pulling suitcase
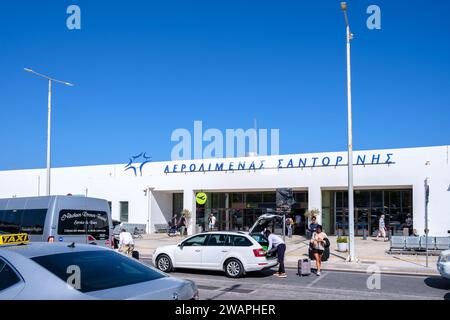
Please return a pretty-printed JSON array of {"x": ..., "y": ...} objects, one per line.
[{"x": 319, "y": 241}]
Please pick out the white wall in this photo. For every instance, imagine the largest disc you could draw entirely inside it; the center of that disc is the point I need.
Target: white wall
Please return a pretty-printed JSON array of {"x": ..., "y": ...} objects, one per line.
[
  {"x": 161, "y": 208},
  {"x": 111, "y": 182}
]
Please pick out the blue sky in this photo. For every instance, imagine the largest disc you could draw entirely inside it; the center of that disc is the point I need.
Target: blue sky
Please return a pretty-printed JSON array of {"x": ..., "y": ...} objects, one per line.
[{"x": 145, "y": 68}]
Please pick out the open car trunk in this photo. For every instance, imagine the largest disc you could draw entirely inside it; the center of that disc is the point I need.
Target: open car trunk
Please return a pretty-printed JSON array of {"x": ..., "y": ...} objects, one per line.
[{"x": 274, "y": 222}]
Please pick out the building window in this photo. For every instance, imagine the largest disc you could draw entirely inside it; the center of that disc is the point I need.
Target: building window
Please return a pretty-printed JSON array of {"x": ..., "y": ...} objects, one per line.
[
  {"x": 123, "y": 211},
  {"x": 238, "y": 211},
  {"x": 396, "y": 205}
]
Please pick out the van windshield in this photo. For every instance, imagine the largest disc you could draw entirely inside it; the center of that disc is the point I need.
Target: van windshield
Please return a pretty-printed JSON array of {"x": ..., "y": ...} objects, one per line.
[{"x": 84, "y": 222}]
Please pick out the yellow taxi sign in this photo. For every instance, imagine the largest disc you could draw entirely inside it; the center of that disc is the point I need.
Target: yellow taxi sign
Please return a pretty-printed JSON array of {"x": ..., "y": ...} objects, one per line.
[{"x": 17, "y": 238}]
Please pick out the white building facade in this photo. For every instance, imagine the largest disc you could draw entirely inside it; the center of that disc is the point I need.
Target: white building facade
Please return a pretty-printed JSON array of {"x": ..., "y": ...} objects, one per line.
[{"x": 390, "y": 182}]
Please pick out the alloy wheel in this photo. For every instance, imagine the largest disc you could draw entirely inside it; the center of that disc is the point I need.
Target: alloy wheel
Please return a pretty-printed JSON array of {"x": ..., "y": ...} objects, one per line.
[{"x": 163, "y": 263}]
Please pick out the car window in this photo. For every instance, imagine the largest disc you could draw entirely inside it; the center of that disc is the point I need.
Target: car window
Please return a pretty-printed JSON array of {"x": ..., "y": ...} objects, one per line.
[
  {"x": 10, "y": 221},
  {"x": 217, "y": 240},
  {"x": 260, "y": 239},
  {"x": 82, "y": 222},
  {"x": 240, "y": 241},
  {"x": 33, "y": 221},
  {"x": 30, "y": 221},
  {"x": 99, "y": 270},
  {"x": 196, "y": 241},
  {"x": 8, "y": 276}
]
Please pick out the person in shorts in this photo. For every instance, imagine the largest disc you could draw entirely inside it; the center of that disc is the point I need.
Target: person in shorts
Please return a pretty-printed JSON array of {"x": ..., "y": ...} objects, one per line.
[
  {"x": 381, "y": 228},
  {"x": 318, "y": 243},
  {"x": 126, "y": 242}
]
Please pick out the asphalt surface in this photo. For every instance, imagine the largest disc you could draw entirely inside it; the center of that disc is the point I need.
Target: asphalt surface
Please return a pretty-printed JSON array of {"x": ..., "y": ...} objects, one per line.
[{"x": 331, "y": 285}]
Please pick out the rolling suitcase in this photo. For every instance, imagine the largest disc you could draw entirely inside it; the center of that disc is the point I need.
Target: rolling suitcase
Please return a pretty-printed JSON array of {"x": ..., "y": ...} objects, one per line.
[
  {"x": 135, "y": 254},
  {"x": 304, "y": 267}
]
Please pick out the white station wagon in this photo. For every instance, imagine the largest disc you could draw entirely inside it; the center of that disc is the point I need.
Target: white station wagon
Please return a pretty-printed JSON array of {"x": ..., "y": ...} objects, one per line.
[{"x": 235, "y": 253}]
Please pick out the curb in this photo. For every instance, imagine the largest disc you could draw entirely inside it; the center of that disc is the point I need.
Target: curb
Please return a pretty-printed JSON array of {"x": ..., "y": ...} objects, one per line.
[{"x": 388, "y": 272}]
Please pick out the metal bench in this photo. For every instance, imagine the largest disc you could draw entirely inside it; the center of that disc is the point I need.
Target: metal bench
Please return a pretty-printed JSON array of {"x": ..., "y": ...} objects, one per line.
[
  {"x": 161, "y": 227},
  {"x": 412, "y": 243},
  {"x": 442, "y": 243},
  {"x": 397, "y": 243},
  {"x": 131, "y": 227},
  {"x": 431, "y": 243}
]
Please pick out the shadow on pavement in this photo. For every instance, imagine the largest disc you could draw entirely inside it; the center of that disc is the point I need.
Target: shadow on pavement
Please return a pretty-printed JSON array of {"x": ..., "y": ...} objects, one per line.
[
  {"x": 438, "y": 283},
  {"x": 257, "y": 274}
]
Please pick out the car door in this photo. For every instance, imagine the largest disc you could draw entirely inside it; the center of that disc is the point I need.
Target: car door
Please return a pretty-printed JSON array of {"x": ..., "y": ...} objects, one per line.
[
  {"x": 215, "y": 251},
  {"x": 188, "y": 254}
]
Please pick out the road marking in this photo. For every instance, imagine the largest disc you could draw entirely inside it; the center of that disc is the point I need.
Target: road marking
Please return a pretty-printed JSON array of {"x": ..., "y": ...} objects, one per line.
[{"x": 317, "y": 280}]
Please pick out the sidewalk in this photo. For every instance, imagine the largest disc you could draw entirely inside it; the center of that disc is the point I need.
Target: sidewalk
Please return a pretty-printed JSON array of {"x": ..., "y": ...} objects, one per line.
[{"x": 368, "y": 252}]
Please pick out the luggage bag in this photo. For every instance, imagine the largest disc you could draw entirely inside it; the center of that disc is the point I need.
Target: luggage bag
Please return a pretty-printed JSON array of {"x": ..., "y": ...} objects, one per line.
[{"x": 304, "y": 267}]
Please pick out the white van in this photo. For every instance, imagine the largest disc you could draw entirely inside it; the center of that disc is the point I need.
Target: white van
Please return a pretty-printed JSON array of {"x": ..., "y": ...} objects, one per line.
[{"x": 58, "y": 219}]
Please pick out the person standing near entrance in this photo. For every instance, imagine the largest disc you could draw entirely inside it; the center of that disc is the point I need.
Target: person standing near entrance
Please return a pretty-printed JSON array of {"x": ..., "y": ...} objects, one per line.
[
  {"x": 381, "y": 228},
  {"x": 312, "y": 226},
  {"x": 318, "y": 244},
  {"x": 173, "y": 221},
  {"x": 289, "y": 224},
  {"x": 409, "y": 224},
  {"x": 275, "y": 242},
  {"x": 211, "y": 222},
  {"x": 182, "y": 225}
]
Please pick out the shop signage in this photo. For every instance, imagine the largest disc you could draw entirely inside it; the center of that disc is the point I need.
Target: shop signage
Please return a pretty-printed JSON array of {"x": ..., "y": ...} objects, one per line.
[{"x": 286, "y": 162}]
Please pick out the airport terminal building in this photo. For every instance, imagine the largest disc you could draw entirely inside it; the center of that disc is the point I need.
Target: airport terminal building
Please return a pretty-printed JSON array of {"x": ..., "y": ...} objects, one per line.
[{"x": 238, "y": 190}]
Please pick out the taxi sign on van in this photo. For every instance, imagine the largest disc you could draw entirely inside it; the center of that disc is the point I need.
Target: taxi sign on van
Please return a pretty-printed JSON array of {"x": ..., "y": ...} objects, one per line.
[{"x": 17, "y": 238}]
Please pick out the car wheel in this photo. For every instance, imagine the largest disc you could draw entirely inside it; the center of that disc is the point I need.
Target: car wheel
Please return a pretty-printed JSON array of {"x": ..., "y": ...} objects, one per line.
[
  {"x": 164, "y": 263},
  {"x": 234, "y": 268}
]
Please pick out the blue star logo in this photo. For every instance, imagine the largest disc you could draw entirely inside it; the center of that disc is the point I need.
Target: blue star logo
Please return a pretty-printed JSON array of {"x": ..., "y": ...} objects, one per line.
[{"x": 141, "y": 158}]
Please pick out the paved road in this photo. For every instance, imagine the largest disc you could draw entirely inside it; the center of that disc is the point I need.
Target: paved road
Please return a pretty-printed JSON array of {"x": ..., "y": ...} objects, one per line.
[{"x": 330, "y": 285}]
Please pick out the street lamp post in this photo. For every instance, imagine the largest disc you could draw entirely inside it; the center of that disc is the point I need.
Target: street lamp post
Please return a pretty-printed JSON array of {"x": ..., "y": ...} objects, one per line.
[
  {"x": 351, "y": 221},
  {"x": 49, "y": 118}
]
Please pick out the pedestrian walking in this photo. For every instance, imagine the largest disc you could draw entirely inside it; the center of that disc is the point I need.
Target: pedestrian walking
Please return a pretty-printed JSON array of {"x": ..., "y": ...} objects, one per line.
[
  {"x": 381, "y": 228},
  {"x": 126, "y": 242},
  {"x": 276, "y": 243},
  {"x": 289, "y": 225},
  {"x": 319, "y": 241},
  {"x": 182, "y": 225}
]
